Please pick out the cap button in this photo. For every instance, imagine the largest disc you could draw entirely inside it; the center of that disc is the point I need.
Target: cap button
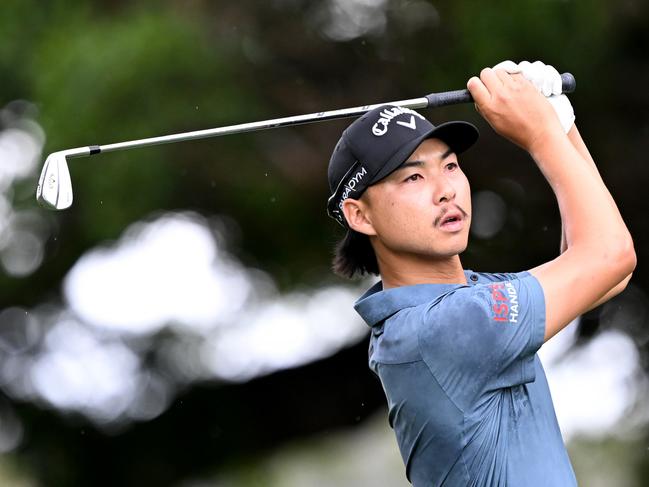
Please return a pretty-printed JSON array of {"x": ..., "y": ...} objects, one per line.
[{"x": 474, "y": 278}]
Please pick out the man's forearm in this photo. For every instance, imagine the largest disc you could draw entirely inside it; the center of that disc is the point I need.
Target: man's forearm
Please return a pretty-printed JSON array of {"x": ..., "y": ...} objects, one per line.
[
  {"x": 578, "y": 143},
  {"x": 588, "y": 212},
  {"x": 586, "y": 206}
]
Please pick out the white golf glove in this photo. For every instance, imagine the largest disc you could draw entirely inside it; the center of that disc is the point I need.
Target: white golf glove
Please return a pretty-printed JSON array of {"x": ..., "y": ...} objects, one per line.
[{"x": 548, "y": 81}]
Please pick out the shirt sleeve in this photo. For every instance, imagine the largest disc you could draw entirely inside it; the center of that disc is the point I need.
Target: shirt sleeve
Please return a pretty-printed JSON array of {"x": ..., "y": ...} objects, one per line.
[{"x": 482, "y": 338}]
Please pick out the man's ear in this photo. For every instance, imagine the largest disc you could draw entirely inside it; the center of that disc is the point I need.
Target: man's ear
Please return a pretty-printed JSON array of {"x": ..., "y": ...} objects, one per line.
[{"x": 357, "y": 216}]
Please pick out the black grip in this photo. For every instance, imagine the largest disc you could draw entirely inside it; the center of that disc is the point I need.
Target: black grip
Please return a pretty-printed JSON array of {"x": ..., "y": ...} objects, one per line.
[
  {"x": 568, "y": 85},
  {"x": 449, "y": 98}
]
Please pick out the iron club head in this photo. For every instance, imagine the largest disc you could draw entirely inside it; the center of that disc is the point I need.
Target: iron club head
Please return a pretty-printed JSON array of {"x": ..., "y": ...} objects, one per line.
[{"x": 54, "y": 189}]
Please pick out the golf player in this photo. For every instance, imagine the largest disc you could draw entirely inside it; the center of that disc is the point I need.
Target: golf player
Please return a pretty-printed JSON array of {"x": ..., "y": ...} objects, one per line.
[{"x": 455, "y": 350}]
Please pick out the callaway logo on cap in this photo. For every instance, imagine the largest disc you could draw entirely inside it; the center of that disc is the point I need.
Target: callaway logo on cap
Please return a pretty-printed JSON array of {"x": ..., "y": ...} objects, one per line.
[
  {"x": 378, "y": 143},
  {"x": 382, "y": 125}
]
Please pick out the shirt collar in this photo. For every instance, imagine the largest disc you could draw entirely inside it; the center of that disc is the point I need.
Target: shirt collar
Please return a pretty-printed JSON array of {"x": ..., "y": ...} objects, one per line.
[{"x": 377, "y": 304}]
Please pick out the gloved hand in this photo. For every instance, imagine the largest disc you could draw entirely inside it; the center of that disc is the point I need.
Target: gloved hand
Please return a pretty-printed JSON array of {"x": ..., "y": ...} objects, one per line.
[{"x": 547, "y": 80}]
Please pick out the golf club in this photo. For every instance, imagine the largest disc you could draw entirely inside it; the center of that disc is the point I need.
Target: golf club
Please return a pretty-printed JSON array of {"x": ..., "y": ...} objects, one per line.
[{"x": 54, "y": 189}]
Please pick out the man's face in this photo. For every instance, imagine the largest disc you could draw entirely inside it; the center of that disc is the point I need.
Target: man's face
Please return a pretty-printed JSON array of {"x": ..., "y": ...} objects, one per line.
[{"x": 423, "y": 208}]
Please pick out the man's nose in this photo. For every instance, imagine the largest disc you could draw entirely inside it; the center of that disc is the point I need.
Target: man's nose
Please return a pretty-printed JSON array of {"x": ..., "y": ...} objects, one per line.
[{"x": 444, "y": 191}]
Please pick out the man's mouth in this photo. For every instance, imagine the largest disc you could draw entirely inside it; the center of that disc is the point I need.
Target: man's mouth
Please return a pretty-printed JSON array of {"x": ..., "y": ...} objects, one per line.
[{"x": 452, "y": 220}]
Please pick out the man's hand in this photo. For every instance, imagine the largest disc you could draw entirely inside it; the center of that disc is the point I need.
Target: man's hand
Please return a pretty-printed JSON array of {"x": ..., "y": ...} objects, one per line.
[
  {"x": 547, "y": 80},
  {"x": 514, "y": 107}
]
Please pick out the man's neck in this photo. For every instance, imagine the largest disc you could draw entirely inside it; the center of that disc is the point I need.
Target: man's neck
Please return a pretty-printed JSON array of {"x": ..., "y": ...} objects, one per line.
[{"x": 411, "y": 271}]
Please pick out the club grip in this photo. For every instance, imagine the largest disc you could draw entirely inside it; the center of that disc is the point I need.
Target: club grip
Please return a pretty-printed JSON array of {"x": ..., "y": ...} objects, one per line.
[{"x": 568, "y": 85}]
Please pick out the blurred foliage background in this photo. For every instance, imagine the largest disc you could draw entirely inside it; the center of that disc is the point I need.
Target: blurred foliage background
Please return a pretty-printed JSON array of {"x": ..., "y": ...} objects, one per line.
[{"x": 179, "y": 325}]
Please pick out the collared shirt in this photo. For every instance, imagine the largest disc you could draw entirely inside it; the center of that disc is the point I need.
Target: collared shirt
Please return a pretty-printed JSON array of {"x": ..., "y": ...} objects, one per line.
[{"x": 467, "y": 395}]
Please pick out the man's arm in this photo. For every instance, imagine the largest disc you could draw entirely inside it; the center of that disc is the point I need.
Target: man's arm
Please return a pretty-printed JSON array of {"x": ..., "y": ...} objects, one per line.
[
  {"x": 599, "y": 253},
  {"x": 547, "y": 80},
  {"x": 578, "y": 143}
]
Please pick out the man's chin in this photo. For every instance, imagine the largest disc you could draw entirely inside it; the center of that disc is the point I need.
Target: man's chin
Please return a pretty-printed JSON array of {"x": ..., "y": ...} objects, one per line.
[
  {"x": 450, "y": 250},
  {"x": 439, "y": 254},
  {"x": 427, "y": 251}
]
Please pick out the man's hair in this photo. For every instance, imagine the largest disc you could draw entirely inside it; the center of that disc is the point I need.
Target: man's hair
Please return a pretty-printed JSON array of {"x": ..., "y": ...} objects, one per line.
[{"x": 354, "y": 255}]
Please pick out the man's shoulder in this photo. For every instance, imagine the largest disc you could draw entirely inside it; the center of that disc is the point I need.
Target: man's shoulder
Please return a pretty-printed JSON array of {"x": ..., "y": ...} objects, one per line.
[{"x": 496, "y": 276}]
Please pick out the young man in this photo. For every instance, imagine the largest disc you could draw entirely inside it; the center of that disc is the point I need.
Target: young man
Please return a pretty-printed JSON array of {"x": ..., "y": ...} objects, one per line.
[{"x": 455, "y": 350}]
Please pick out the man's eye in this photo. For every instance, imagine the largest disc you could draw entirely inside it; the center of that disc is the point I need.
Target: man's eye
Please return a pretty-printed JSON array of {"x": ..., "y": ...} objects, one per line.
[
  {"x": 452, "y": 166},
  {"x": 412, "y": 177}
]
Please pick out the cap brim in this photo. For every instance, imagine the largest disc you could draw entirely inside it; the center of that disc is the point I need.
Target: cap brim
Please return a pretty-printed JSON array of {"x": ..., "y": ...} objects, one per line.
[{"x": 459, "y": 136}]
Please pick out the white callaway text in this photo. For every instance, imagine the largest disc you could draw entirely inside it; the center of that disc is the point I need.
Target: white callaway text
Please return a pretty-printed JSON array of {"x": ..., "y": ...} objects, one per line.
[{"x": 387, "y": 114}]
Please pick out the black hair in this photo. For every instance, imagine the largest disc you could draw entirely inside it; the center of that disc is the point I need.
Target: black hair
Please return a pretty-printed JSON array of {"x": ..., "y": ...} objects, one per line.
[{"x": 354, "y": 255}]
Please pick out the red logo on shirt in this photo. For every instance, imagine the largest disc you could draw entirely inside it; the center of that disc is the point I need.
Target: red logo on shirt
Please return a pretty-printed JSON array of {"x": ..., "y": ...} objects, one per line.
[{"x": 505, "y": 302}]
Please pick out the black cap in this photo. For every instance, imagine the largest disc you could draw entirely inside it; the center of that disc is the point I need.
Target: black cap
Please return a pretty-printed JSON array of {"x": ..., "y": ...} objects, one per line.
[{"x": 378, "y": 143}]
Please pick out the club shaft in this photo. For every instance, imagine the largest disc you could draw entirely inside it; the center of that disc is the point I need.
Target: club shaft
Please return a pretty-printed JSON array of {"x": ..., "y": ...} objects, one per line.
[
  {"x": 262, "y": 125},
  {"x": 429, "y": 101}
]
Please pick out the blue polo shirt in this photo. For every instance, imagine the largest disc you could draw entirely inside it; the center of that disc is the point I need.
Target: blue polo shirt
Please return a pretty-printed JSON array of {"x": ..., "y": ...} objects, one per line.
[{"x": 467, "y": 395}]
